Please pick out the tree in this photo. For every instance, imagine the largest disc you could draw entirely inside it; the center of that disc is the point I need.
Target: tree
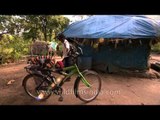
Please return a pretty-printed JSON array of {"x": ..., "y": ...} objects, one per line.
[
  {"x": 33, "y": 27},
  {"x": 45, "y": 25},
  {"x": 10, "y": 24}
]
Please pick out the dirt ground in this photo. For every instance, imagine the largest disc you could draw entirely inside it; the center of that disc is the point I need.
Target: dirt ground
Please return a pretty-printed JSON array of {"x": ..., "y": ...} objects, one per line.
[{"x": 117, "y": 89}]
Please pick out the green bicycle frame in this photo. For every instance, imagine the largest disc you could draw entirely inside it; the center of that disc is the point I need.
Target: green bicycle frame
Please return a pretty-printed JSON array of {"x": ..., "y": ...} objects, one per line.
[{"x": 75, "y": 70}]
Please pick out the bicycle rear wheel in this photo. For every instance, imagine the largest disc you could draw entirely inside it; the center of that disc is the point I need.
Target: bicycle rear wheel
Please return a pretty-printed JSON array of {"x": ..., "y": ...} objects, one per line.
[
  {"x": 88, "y": 94},
  {"x": 35, "y": 84}
]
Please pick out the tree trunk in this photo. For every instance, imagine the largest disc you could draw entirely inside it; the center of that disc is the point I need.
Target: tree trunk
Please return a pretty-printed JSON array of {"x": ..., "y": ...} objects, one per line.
[
  {"x": 50, "y": 34},
  {"x": 45, "y": 35}
]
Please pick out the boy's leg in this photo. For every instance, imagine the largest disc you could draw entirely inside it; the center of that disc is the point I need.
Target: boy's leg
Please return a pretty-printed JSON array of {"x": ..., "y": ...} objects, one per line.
[{"x": 67, "y": 64}]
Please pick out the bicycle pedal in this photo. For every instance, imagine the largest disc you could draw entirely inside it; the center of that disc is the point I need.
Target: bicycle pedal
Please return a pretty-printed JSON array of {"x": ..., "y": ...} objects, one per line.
[{"x": 60, "y": 99}]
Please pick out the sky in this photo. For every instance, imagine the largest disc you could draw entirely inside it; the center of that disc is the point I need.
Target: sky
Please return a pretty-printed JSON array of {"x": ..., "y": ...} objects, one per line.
[
  {"x": 74, "y": 18},
  {"x": 157, "y": 17}
]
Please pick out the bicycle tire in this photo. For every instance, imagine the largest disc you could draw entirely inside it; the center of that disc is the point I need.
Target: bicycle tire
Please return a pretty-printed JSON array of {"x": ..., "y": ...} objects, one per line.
[
  {"x": 91, "y": 73},
  {"x": 42, "y": 81}
]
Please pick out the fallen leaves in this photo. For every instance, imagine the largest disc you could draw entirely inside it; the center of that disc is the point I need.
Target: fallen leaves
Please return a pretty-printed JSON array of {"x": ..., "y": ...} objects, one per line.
[{"x": 10, "y": 82}]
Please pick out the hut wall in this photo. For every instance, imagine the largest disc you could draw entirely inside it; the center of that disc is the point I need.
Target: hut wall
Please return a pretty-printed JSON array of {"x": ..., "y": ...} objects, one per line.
[{"x": 124, "y": 56}]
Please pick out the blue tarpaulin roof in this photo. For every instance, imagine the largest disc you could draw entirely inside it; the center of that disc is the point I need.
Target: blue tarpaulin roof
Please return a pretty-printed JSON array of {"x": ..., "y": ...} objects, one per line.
[{"x": 114, "y": 26}]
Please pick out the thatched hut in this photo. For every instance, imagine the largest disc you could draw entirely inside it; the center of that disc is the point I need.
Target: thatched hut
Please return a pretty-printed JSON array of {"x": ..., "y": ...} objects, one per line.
[
  {"x": 39, "y": 48},
  {"x": 125, "y": 41}
]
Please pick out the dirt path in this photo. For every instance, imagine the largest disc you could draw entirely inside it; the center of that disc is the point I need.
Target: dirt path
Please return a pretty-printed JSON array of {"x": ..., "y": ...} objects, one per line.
[{"x": 116, "y": 90}]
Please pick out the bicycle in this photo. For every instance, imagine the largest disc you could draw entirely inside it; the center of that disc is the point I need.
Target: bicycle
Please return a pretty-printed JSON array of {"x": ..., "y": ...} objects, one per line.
[{"x": 87, "y": 85}]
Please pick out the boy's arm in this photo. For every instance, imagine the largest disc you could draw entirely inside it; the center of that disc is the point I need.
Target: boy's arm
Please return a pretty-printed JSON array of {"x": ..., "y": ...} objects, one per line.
[{"x": 66, "y": 44}]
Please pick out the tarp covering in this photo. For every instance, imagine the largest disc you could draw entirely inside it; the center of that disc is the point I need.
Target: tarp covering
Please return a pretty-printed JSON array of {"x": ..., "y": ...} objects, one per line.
[{"x": 114, "y": 26}]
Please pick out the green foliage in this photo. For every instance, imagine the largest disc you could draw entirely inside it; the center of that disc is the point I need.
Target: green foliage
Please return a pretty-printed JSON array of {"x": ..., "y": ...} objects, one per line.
[
  {"x": 24, "y": 29},
  {"x": 12, "y": 49},
  {"x": 10, "y": 24},
  {"x": 156, "y": 48},
  {"x": 43, "y": 27}
]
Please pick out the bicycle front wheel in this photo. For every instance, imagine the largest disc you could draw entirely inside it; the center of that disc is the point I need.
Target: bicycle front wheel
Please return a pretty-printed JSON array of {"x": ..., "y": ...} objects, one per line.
[
  {"x": 88, "y": 94},
  {"x": 35, "y": 84}
]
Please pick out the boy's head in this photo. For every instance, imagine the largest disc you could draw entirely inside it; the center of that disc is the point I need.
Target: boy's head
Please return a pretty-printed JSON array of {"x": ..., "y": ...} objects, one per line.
[{"x": 61, "y": 37}]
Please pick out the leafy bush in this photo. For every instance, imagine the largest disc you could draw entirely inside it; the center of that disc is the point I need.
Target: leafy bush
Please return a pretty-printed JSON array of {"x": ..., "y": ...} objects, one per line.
[
  {"x": 12, "y": 48},
  {"x": 156, "y": 48}
]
